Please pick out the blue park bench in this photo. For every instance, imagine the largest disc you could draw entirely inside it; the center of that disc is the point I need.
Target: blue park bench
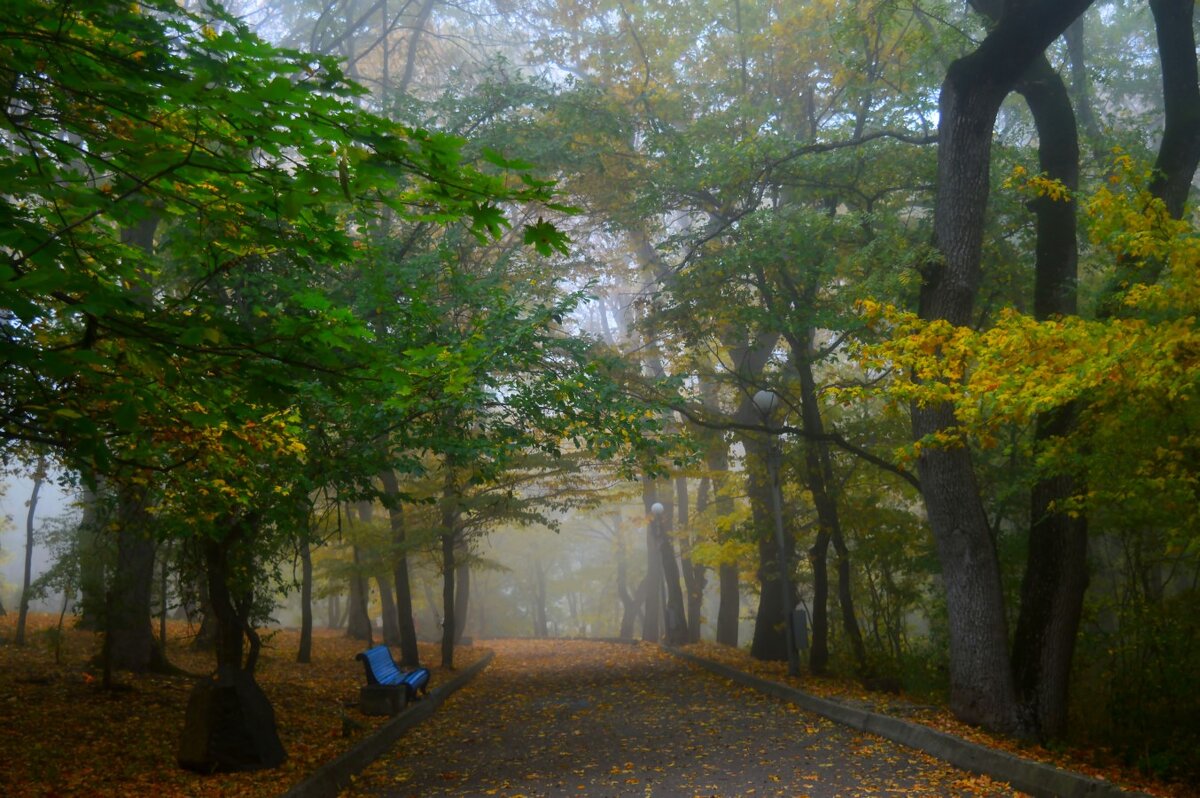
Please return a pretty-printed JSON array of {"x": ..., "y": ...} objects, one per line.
[{"x": 388, "y": 688}]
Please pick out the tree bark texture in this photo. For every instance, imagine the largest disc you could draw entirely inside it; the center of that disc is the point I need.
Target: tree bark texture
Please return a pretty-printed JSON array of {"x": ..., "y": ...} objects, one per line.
[
  {"x": 770, "y": 635},
  {"x": 1179, "y": 151},
  {"x": 1056, "y": 566},
  {"x": 359, "y": 625},
  {"x": 981, "y": 682},
  {"x": 130, "y": 643},
  {"x": 387, "y": 603}
]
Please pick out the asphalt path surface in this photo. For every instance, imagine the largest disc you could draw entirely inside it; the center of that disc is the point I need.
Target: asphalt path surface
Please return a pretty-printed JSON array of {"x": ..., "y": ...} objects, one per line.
[{"x": 578, "y": 718}]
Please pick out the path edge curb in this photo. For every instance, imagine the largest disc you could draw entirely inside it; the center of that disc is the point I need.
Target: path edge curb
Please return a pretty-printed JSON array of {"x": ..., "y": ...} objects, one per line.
[
  {"x": 1036, "y": 778},
  {"x": 335, "y": 775}
]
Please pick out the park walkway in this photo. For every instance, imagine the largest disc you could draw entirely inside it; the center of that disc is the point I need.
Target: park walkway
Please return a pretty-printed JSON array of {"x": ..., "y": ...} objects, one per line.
[{"x": 578, "y": 718}]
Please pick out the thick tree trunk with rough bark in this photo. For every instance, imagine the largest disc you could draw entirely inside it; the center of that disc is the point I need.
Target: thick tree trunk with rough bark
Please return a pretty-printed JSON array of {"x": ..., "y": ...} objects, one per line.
[
  {"x": 130, "y": 643},
  {"x": 770, "y": 634},
  {"x": 981, "y": 681},
  {"x": 358, "y": 624},
  {"x": 93, "y": 559}
]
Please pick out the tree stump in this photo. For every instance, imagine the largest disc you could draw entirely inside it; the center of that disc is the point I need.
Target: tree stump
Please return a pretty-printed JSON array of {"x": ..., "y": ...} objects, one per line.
[{"x": 229, "y": 726}]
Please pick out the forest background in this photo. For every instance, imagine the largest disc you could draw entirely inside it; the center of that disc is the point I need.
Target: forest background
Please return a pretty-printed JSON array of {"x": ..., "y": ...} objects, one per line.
[{"x": 417, "y": 311}]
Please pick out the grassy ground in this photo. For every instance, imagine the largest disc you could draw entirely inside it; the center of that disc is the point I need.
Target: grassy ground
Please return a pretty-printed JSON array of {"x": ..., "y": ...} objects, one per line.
[{"x": 64, "y": 736}]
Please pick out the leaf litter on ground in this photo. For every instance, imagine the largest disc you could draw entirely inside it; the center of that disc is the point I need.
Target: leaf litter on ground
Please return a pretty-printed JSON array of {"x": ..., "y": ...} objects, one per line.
[{"x": 65, "y": 736}]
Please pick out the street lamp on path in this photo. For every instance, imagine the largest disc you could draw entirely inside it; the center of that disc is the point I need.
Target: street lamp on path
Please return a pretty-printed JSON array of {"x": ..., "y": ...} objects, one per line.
[{"x": 767, "y": 402}]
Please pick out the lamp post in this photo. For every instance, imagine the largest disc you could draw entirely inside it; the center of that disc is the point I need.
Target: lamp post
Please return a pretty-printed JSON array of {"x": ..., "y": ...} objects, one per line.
[
  {"x": 676, "y": 630},
  {"x": 767, "y": 402}
]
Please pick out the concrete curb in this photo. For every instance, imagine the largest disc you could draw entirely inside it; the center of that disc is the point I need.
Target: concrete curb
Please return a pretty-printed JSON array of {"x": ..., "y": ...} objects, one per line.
[
  {"x": 1035, "y": 778},
  {"x": 335, "y": 775}
]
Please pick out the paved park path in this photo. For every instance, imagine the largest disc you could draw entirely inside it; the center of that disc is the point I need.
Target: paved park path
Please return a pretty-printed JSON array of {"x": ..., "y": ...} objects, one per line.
[{"x": 578, "y": 718}]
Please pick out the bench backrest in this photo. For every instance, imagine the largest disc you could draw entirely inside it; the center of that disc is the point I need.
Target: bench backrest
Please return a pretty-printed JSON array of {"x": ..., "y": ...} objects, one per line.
[{"x": 380, "y": 667}]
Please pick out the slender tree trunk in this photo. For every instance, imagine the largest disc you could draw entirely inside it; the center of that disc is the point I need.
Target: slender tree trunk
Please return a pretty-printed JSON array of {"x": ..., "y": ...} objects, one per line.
[
  {"x": 729, "y": 590},
  {"x": 676, "y": 622},
  {"x": 163, "y": 595},
  {"x": 304, "y": 654},
  {"x": 391, "y": 624},
  {"x": 981, "y": 683},
  {"x": 694, "y": 579},
  {"x": 654, "y": 579},
  {"x": 819, "y": 478},
  {"x": 462, "y": 593},
  {"x": 629, "y": 604},
  {"x": 539, "y": 600},
  {"x": 409, "y": 653},
  {"x": 450, "y": 544},
  {"x": 39, "y": 476}
]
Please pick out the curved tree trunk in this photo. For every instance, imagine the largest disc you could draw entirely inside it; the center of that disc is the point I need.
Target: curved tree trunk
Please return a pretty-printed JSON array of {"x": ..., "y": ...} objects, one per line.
[
  {"x": 981, "y": 682},
  {"x": 1056, "y": 567}
]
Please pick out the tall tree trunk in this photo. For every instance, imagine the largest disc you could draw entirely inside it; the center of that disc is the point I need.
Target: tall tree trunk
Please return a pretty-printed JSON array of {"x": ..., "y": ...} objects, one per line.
[
  {"x": 1056, "y": 566},
  {"x": 694, "y": 579},
  {"x": 93, "y": 558},
  {"x": 981, "y": 683},
  {"x": 820, "y": 482},
  {"x": 539, "y": 600},
  {"x": 1179, "y": 151},
  {"x": 387, "y": 602},
  {"x": 449, "y": 537},
  {"x": 230, "y": 724},
  {"x": 749, "y": 360},
  {"x": 654, "y": 579},
  {"x": 675, "y": 621},
  {"x": 409, "y": 653},
  {"x": 729, "y": 590},
  {"x": 130, "y": 643},
  {"x": 770, "y": 634},
  {"x": 629, "y": 605},
  {"x": 39, "y": 476},
  {"x": 359, "y": 625},
  {"x": 462, "y": 594},
  {"x": 304, "y": 654}
]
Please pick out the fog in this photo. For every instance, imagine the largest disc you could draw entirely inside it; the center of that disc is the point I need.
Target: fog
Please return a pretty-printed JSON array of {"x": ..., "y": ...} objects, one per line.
[{"x": 53, "y": 502}]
